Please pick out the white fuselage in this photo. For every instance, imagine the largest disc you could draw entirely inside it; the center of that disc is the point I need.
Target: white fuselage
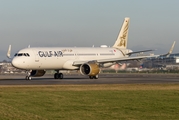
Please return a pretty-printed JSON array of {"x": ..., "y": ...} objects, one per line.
[{"x": 60, "y": 58}]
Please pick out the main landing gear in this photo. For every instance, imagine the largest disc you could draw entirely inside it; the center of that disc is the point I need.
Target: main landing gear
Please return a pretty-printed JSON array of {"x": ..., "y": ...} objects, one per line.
[
  {"x": 58, "y": 75},
  {"x": 94, "y": 77}
]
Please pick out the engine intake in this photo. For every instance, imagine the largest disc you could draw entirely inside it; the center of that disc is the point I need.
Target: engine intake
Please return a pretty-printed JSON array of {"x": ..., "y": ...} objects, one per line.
[
  {"x": 37, "y": 73},
  {"x": 90, "y": 69}
]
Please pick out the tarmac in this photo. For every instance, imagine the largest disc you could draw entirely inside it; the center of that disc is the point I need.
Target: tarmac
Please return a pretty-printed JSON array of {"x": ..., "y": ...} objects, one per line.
[{"x": 126, "y": 78}]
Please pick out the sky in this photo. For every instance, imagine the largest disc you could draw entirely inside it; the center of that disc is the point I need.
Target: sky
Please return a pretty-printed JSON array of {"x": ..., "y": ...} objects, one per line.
[{"x": 154, "y": 24}]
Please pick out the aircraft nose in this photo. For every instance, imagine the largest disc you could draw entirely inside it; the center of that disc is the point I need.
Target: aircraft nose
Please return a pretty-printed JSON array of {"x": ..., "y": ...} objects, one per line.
[{"x": 15, "y": 63}]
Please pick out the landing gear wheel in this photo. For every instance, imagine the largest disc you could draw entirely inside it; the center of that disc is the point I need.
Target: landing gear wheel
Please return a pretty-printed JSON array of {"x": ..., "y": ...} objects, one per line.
[
  {"x": 28, "y": 78},
  {"x": 91, "y": 77},
  {"x": 96, "y": 77},
  {"x": 56, "y": 76},
  {"x": 60, "y": 76}
]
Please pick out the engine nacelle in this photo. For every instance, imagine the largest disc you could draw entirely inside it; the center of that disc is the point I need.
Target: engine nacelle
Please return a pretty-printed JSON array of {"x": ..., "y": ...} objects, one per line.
[
  {"x": 37, "y": 73},
  {"x": 90, "y": 69}
]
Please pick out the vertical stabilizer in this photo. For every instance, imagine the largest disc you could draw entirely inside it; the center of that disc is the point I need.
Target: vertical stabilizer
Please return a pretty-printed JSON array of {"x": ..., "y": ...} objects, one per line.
[{"x": 121, "y": 41}]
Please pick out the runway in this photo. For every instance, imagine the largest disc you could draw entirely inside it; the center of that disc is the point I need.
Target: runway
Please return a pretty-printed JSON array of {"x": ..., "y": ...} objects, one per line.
[{"x": 127, "y": 78}]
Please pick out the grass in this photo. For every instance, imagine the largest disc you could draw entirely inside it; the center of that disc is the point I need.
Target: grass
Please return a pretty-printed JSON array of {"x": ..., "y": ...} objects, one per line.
[{"x": 87, "y": 102}]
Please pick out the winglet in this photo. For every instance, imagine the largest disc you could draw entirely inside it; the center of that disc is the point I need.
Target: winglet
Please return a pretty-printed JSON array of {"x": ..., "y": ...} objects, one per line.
[
  {"x": 171, "y": 50},
  {"x": 9, "y": 52}
]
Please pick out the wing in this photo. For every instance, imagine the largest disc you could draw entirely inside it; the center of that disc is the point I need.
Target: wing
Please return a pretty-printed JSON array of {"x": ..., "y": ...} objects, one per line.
[
  {"x": 77, "y": 63},
  {"x": 138, "y": 52}
]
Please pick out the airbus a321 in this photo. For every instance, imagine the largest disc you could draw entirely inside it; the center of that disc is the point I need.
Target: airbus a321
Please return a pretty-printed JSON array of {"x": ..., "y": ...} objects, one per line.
[{"x": 88, "y": 60}]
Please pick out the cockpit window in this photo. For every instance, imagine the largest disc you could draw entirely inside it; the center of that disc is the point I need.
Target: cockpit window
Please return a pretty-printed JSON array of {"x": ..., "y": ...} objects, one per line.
[{"x": 22, "y": 54}]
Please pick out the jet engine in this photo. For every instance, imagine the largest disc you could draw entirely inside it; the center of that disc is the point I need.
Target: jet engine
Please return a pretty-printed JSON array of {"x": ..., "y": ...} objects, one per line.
[
  {"x": 37, "y": 73},
  {"x": 90, "y": 69}
]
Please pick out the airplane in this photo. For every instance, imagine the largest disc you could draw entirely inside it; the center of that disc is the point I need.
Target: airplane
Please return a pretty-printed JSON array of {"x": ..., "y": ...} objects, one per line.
[{"x": 88, "y": 60}]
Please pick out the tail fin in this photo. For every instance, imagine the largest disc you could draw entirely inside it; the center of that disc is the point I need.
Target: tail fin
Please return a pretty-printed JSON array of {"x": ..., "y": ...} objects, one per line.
[{"x": 121, "y": 41}]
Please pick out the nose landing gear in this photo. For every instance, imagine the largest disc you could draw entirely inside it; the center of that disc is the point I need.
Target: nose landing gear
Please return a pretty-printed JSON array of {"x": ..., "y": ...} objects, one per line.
[{"x": 28, "y": 77}]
